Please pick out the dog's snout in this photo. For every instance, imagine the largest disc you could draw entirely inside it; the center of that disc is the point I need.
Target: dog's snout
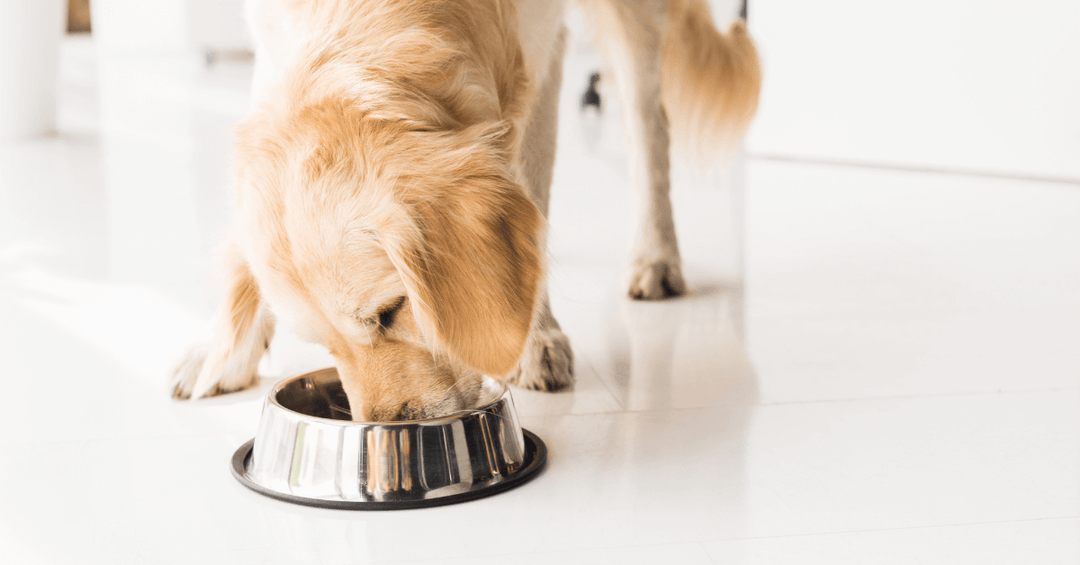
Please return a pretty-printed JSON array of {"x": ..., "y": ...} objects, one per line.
[
  {"x": 394, "y": 381},
  {"x": 397, "y": 412},
  {"x": 415, "y": 409}
]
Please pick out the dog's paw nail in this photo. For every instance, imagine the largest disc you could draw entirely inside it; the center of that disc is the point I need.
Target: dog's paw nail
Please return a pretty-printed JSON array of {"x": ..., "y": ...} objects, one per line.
[
  {"x": 184, "y": 374},
  {"x": 653, "y": 281}
]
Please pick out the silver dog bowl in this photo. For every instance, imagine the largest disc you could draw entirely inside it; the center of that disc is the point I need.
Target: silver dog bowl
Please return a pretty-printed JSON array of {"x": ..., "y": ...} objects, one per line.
[{"x": 308, "y": 451}]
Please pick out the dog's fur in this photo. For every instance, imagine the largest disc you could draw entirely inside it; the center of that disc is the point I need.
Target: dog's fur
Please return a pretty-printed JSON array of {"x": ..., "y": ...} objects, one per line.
[{"x": 393, "y": 177}]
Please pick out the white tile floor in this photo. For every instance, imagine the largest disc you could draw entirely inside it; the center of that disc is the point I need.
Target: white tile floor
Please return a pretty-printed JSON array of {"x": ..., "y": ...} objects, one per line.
[{"x": 872, "y": 366}]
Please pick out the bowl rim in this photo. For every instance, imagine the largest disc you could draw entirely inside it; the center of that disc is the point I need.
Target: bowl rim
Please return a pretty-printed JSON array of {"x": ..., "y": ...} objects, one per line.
[
  {"x": 271, "y": 398},
  {"x": 536, "y": 458}
]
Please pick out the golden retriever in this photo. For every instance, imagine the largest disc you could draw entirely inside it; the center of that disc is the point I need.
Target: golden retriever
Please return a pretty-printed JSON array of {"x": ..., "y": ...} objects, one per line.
[{"x": 392, "y": 184}]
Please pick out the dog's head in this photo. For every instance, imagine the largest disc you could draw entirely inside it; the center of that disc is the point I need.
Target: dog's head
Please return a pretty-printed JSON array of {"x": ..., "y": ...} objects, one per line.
[{"x": 410, "y": 254}]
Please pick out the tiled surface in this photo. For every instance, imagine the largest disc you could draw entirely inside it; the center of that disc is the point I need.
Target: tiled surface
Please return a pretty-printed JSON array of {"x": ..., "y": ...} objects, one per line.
[
  {"x": 871, "y": 366},
  {"x": 909, "y": 284},
  {"x": 1029, "y": 541}
]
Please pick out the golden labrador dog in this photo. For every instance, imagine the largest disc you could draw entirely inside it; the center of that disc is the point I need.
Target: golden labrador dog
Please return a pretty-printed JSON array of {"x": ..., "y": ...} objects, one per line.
[{"x": 392, "y": 184}]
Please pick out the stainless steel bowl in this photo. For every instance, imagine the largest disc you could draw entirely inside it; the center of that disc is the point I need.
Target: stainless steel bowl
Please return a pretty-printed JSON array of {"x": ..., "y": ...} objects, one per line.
[{"x": 308, "y": 451}]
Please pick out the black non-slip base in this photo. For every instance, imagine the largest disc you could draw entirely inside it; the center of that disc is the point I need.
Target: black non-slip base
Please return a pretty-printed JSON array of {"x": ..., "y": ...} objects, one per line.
[{"x": 535, "y": 459}]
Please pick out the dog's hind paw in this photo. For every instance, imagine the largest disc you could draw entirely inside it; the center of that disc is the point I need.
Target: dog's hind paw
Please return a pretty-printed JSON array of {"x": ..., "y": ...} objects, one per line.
[
  {"x": 547, "y": 363},
  {"x": 655, "y": 280}
]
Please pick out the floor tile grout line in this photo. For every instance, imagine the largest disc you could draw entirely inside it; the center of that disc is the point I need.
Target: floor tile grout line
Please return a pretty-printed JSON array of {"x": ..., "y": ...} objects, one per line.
[
  {"x": 926, "y": 395},
  {"x": 557, "y": 551},
  {"x": 821, "y": 401},
  {"x": 781, "y": 536},
  {"x": 607, "y": 387},
  {"x": 777, "y": 157},
  {"x": 903, "y": 528},
  {"x": 707, "y": 554},
  {"x": 600, "y": 413},
  {"x": 155, "y": 437}
]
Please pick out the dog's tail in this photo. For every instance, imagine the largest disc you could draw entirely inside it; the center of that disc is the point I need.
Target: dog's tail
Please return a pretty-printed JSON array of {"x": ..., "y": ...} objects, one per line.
[{"x": 710, "y": 80}]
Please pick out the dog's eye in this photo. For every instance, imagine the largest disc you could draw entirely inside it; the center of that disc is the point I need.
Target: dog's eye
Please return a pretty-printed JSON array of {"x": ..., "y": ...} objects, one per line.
[{"x": 386, "y": 315}]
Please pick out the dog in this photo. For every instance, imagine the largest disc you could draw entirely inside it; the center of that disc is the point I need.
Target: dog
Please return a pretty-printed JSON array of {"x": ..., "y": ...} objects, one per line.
[{"x": 392, "y": 182}]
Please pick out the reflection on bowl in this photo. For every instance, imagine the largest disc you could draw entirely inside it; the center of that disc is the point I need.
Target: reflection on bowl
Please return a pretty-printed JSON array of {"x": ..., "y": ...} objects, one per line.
[{"x": 308, "y": 450}]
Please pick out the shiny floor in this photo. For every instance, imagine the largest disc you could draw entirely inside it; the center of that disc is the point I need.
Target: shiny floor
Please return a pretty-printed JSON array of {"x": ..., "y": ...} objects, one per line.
[{"x": 872, "y": 366}]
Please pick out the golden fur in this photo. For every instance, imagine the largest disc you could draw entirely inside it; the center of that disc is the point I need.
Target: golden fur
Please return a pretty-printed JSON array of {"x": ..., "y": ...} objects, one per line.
[
  {"x": 383, "y": 207},
  {"x": 713, "y": 109}
]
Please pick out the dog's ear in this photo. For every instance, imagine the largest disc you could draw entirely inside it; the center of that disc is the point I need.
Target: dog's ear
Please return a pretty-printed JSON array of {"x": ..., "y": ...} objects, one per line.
[{"x": 470, "y": 253}]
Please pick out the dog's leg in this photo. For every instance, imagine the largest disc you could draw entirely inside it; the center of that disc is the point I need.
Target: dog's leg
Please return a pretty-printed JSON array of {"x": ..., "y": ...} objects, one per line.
[
  {"x": 547, "y": 363},
  {"x": 632, "y": 34},
  {"x": 242, "y": 333}
]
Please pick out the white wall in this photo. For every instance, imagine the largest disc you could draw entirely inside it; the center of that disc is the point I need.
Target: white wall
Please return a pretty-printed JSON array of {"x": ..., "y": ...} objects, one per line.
[
  {"x": 984, "y": 85},
  {"x": 143, "y": 25},
  {"x": 169, "y": 26}
]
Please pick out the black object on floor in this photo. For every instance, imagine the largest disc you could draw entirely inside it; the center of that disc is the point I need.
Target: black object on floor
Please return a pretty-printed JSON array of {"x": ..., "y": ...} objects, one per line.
[{"x": 591, "y": 96}]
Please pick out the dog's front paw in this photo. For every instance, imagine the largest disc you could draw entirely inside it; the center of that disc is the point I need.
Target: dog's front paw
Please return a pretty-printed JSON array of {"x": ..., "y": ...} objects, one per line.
[
  {"x": 186, "y": 372},
  {"x": 547, "y": 363},
  {"x": 188, "y": 380},
  {"x": 655, "y": 279}
]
